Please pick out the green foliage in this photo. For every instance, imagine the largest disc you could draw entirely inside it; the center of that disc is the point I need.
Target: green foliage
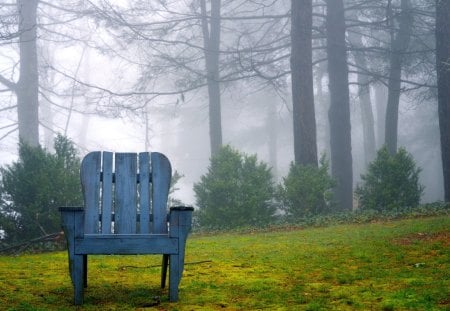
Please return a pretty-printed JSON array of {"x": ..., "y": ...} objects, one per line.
[
  {"x": 392, "y": 181},
  {"x": 307, "y": 190},
  {"x": 173, "y": 201},
  {"x": 359, "y": 216},
  {"x": 35, "y": 186},
  {"x": 236, "y": 191}
]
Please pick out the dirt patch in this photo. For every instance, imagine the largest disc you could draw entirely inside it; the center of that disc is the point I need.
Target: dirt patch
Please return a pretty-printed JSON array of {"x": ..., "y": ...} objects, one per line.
[
  {"x": 445, "y": 302},
  {"x": 439, "y": 237}
]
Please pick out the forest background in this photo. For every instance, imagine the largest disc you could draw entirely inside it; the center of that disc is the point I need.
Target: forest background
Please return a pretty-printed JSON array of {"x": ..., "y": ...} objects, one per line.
[{"x": 286, "y": 80}]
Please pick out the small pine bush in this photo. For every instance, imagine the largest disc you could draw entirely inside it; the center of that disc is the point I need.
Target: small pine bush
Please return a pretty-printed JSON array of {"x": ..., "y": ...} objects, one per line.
[
  {"x": 391, "y": 182},
  {"x": 236, "y": 191},
  {"x": 33, "y": 187},
  {"x": 306, "y": 190}
]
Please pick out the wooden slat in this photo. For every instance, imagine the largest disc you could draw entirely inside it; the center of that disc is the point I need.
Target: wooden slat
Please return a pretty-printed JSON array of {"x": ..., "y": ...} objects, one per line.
[
  {"x": 107, "y": 192},
  {"x": 111, "y": 236},
  {"x": 90, "y": 182},
  {"x": 125, "y": 193},
  {"x": 161, "y": 175},
  {"x": 126, "y": 244},
  {"x": 144, "y": 191}
]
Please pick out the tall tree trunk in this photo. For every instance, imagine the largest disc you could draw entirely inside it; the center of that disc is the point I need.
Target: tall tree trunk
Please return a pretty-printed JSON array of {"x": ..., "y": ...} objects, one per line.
[
  {"x": 367, "y": 119},
  {"x": 271, "y": 123},
  {"x": 364, "y": 100},
  {"x": 339, "y": 113},
  {"x": 380, "y": 91},
  {"x": 47, "y": 124},
  {"x": 399, "y": 45},
  {"x": 45, "y": 109},
  {"x": 211, "y": 42},
  {"x": 305, "y": 145},
  {"x": 147, "y": 129},
  {"x": 86, "y": 119},
  {"x": 28, "y": 84},
  {"x": 322, "y": 103},
  {"x": 443, "y": 78}
]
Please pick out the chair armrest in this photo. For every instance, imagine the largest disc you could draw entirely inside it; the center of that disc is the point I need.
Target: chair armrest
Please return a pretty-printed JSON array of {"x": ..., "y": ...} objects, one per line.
[
  {"x": 180, "y": 220},
  {"x": 72, "y": 221},
  {"x": 182, "y": 208},
  {"x": 63, "y": 209}
]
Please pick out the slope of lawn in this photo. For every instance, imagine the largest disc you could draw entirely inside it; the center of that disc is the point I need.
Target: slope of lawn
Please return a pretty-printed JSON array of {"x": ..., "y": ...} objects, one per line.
[{"x": 398, "y": 265}]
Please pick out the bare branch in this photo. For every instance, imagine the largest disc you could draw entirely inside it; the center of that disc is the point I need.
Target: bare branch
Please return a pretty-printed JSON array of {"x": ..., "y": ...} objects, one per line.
[
  {"x": 8, "y": 108},
  {"x": 9, "y": 132},
  {"x": 8, "y": 83}
]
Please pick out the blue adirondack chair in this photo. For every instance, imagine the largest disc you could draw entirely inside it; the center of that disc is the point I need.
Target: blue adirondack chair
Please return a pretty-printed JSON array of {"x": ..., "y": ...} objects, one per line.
[{"x": 126, "y": 212}]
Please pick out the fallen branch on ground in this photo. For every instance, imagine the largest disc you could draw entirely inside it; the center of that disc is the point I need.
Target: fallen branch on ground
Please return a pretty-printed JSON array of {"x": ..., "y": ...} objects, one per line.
[{"x": 18, "y": 248}]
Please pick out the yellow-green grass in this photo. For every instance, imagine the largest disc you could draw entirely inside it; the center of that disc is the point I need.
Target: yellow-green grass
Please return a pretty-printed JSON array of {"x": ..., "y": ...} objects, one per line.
[{"x": 399, "y": 265}]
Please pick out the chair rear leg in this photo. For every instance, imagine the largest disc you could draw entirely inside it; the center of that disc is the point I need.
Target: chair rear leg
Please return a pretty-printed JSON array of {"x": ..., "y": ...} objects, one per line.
[
  {"x": 165, "y": 263},
  {"x": 85, "y": 264}
]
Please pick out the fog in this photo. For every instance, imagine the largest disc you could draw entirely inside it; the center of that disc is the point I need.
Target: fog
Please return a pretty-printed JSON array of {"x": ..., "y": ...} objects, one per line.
[{"x": 89, "y": 81}]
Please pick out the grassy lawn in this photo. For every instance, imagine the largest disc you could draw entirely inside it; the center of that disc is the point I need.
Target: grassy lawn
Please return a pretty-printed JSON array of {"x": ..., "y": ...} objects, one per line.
[{"x": 399, "y": 265}]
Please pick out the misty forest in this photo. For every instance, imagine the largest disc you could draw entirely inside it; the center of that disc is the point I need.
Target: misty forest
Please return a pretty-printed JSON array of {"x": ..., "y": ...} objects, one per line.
[
  {"x": 269, "y": 110},
  {"x": 304, "y": 144}
]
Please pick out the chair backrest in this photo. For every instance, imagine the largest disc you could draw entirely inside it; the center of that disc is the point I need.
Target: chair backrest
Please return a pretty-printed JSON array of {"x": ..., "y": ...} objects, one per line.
[{"x": 125, "y": 193}]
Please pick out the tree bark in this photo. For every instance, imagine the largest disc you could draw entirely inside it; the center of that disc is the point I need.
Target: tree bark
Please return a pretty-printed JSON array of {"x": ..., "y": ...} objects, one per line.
[
  {"x": 47, "y": 124},
  {"x": 443, "y": 80},
  {"x": 368, "y": 123},
  {"x": 45, "y": 109},
  {"x": 323, "y": 105},
  {"x": 211, "y": 42},
  {"x": 339, "y": 113},
  {"x": 304, "y": 120},
  {"x": 272, "y": 144},
  {"x": 28, "y": 84},
  {"x": 380, "y": 91},
  {"x": 399, "y": 45}
]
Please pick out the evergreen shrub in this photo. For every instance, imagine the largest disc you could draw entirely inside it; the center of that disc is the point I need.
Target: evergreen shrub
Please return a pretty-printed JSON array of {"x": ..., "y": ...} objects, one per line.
[
  {"x": 306, "y": 190},
  {"x": 35, "y": 186},
  {"x": 391, "y": 182},
  {"x": 237, "y": 191}
]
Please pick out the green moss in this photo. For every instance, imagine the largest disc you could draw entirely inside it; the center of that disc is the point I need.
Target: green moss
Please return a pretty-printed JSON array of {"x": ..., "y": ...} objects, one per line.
[{"x": 401, "y": 265}]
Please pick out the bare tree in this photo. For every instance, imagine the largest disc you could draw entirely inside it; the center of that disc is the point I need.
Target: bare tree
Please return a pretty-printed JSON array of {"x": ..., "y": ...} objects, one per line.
[
  {"x": 187, "y": 50},
  {"x": 31, "y": 23},
  {"x": 211, "y": 44},
  {"x": 26, "y": 87},
  {"x": 339, "y": 113},
  {"x": 380, "y": 95},
  {"x": 365, "y": 103},
  {"x": 399, "y": 44},
  {"x": 305, "y": 145},
  {"x": 443, "y": 75}
]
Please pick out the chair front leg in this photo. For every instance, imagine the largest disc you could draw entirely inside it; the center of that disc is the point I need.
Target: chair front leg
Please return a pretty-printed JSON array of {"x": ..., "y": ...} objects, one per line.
[
  {"x": 72, "y": 219},
  {"x": 174, "y": 277},
  {"x": 78, "y": 278},
  {"x": 180, "y": 225}
]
